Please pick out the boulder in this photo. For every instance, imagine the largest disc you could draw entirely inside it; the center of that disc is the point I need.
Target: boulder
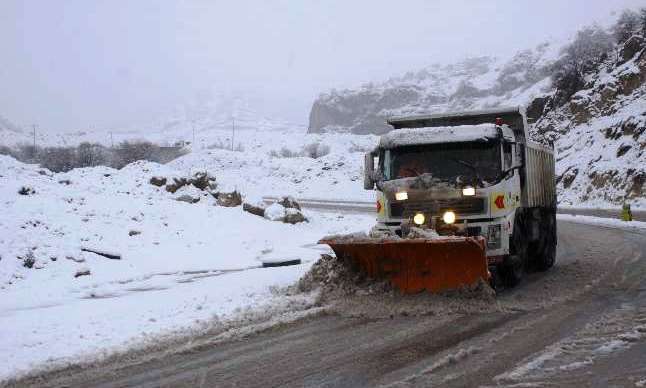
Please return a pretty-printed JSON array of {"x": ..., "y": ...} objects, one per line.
[
  {"x": 253, "y": 209},
  {"x": 82, "y": 272},
  {"x": 203, "y": 181},
  {"x": 158, "y": 181},
  {"x": 231, "y": 199},
  {"x": 289, "y": 202},
  {"x": 631, "y": 47},
  {"x": 568, "y": 177},
  {"x": 621, "y": 151},
  {"x": 638, "y": 186},
  {"x": 630, "y": 81},
  {"x": 26, "y": 190},
  {"x": 579, "y": 106},
  {"x": 293, "y": 216},
  {"x": 278, "y": 212},
  {"x": 177, "y": 184},
  {"x": 187, "y": 198},
  {"x": 535, "y": 108}
]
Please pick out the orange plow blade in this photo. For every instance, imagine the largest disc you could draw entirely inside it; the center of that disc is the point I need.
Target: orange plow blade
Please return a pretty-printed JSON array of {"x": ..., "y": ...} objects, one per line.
[{"x": 418, "y": 264}]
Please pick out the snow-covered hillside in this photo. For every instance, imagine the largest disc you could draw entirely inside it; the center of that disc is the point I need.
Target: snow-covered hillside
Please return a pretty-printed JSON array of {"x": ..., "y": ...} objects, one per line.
[
  {"x": 10, "y": 133},
  {"x": 598, "y": 132},
  {"x": 275, "y": 163},
  {"x": 470, "y": 84}
]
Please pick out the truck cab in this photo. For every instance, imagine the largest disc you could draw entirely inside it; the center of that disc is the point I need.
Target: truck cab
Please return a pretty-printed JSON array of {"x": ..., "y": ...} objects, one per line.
[{"x": 468, "y": 174}]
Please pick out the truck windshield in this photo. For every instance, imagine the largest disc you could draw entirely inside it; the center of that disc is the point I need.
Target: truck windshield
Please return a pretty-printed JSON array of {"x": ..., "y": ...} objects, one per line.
[{"x": 477, "y": 163}]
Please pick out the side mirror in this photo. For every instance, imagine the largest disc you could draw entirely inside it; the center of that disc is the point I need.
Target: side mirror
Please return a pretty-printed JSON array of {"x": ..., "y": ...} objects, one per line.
[{"x": 368, "y": 171}]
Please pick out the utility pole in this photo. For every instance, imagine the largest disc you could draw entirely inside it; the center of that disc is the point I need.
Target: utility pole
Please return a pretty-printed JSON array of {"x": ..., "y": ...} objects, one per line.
[
  {"x": 193, "y": 125},
  {"x": 111, "y": 140},
  {"x": 233, "y": 131},
  {"x": 35, "y": 153}
]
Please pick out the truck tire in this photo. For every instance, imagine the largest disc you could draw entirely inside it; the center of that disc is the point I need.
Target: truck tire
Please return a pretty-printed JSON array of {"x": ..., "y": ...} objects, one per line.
[
  {"x": 547, "y": 256},
  {"x": 512, "y": 269}
]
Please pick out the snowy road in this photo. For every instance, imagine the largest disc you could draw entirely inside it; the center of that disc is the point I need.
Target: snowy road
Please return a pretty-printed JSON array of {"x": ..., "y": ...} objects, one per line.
[{"x": 581, "y": 324}]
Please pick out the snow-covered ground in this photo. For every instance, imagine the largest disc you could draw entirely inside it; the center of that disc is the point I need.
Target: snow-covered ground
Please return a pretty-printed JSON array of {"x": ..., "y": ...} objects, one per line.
[
  {"x": 181, "y": 264},
  {"x": 254, "y": 171}
]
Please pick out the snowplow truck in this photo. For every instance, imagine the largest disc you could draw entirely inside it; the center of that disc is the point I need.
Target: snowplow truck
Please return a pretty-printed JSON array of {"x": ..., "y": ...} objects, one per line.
[{"x": 475, "y": 180}]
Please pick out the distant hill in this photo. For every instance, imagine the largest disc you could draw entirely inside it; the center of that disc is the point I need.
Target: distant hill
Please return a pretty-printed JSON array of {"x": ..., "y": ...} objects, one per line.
[{"x": 469, "y": 84}]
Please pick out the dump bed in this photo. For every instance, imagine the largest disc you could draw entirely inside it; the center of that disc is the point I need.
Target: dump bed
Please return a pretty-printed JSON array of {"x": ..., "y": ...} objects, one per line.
[{"x": 539, "y": 175}]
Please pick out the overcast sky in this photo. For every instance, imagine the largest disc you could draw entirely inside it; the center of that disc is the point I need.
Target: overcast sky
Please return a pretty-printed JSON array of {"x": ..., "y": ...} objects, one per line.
[{"x": 78, "y": 64}]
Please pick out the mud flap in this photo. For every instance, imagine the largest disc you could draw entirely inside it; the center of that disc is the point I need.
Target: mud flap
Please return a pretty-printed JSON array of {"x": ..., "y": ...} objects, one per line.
[{"x": 418, "y": 264}]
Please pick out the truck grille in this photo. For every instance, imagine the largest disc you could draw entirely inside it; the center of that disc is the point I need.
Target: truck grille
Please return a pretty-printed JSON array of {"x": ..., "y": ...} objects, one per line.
[{"x": 435, "y": 207}]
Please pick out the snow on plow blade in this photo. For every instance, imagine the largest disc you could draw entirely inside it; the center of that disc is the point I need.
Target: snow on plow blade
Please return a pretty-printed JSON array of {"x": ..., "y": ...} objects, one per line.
[{"x": 418, "y": 264}]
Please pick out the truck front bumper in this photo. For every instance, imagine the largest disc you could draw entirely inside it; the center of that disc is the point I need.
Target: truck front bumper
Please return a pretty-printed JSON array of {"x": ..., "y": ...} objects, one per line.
[{"x": 495, "y": 231}]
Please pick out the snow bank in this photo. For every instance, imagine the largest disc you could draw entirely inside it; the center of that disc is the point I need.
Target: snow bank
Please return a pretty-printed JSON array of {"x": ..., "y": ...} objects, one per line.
[{"x": 179, "y": 264}]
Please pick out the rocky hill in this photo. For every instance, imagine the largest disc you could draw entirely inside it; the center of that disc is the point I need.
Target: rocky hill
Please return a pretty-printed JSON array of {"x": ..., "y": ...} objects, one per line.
[
  {"x": 470, "y": 84},
  {"x": 599, "y": 132},
  {"x": 588, "y": 98}
]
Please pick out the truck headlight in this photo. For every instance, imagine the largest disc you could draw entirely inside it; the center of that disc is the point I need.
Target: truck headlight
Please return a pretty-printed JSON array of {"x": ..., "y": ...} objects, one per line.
[
  {"x": 401, "y": 196},
  {"x": 448, "y": 217},
  {"x": 493, "y": 237},
  {"x": 419, "y": 219},
  {"x": 469, "y": 191}
]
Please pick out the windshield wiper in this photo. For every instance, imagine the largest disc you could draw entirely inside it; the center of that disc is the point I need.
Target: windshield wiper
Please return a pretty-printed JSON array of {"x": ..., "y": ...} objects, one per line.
[{"x": 469, "y": 166}]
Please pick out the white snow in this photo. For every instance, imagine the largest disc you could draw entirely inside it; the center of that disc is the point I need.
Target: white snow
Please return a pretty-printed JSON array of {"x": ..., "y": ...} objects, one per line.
[
  {"x": 434, "y": 135},
  {"x": 188, "y": 265},
  {"x": 609, "y": 334},
  {"x": 275, "y": 212}
]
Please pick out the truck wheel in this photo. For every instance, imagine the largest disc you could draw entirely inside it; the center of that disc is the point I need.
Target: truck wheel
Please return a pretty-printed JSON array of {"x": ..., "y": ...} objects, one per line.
[
  {"x": 547, "y": 257},
  {"x": 512, "y": 270}
]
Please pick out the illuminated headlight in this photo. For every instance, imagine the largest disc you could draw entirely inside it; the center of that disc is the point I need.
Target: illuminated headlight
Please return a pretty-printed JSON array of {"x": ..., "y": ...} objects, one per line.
[
  {"x": 469, "y": 191},
  {"x": 401, "y": 196},
  {"x": 448, "y": 217},
  {"x": 419, "y": 219},
  {"x": 493, "y": 237}
]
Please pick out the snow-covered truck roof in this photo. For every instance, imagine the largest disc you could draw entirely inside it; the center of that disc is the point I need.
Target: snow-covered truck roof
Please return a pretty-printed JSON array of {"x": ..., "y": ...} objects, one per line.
[
  {"x": 436, "y": 135},
  {"x": 512, "y": 116}
]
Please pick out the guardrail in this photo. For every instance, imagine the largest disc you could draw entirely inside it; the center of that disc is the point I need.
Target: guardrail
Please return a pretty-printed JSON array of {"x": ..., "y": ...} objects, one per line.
[
  {"x": 365, "y": 206},
  {"x": 331, "y": 204}
]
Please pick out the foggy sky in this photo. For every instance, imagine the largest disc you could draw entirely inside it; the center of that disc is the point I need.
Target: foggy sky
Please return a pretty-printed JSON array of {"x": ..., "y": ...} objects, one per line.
[{"x": 79, "y": 64}]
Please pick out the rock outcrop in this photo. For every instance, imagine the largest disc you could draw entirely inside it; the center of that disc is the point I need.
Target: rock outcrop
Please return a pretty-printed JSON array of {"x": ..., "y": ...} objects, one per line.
[{"x": 470, "y": 84}]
